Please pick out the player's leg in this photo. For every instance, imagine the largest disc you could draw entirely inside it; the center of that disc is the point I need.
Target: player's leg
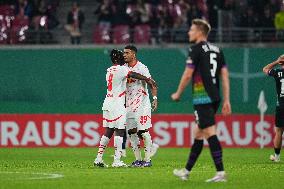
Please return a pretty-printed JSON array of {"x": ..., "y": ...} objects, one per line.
[
  {"x": 134, "y": 142},
  {"x": 279, "y": 123},
  {"x": 194, "y": 154},
  {"x": 216, "y": 153},
  {"x": 118, "y": 140},
  {"x": 145, "y": 135},
  {"x": 144, "y": 124},
  {"x": 277, "y": 144},
  {"x": 207, "y": 123},
  {"x": 103, "y": 144},
  {"x": 124, "y": 144}
]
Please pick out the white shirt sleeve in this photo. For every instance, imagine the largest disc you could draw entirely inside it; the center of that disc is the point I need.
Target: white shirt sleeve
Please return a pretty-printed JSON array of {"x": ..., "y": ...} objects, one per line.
[{"x": 145, "y": 72}]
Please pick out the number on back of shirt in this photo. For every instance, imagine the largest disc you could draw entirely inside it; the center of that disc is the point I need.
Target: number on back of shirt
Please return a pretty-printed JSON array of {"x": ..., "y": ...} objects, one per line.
[
  {"x": 282, "y": 87},
  {"x": 213, "y": 62}
]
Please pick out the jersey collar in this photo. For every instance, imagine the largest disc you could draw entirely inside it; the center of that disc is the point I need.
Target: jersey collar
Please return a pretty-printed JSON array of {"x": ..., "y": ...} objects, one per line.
[{"x": 134, "y": 64}]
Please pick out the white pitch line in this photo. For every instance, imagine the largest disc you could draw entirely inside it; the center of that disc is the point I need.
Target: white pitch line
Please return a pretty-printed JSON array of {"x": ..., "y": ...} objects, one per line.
[{"x": 43, "y": 175}]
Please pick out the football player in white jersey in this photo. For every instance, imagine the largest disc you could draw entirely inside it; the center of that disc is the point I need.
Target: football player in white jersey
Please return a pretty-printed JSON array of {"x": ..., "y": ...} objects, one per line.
[
  {"x": 139, "y": 109},
  {"x": 114, "y": 110}
]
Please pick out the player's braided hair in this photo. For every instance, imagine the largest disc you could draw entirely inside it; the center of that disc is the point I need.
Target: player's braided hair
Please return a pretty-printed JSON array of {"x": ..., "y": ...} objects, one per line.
[{"x": 116, "y": 56}]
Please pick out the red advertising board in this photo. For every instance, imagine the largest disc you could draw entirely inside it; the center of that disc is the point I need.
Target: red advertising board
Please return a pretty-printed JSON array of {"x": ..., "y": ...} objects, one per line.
[{"x": 169, "y": 130}]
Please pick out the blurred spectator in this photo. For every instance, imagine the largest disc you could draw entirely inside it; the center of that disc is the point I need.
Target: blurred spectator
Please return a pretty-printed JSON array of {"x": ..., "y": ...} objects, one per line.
[
  {"x": 279, "y": 23},
  {"x": 27, "y": 7},
  {"x": 267, "y": 23},
  {"x": 120, "y": 16},
  {"x": 193, "y": 12},
  {"x": 75, "y": 20},
  {"x": 52, "y": 13},
  {"x": 105, "y": 13},
  {"x": 39, "y": 23}
]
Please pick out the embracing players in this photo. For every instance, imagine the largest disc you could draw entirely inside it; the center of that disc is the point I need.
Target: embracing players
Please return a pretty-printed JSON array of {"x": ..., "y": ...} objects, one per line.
[{"x": 114, "y": 110}]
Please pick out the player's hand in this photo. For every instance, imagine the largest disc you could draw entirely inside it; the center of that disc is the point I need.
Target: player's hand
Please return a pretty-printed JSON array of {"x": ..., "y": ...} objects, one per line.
[
  {"x": 175, "y": 96},
  {"x": 280, "y": 60},
  {"x": 226, "y": 109},
  {"x": 154, "y": 105}
]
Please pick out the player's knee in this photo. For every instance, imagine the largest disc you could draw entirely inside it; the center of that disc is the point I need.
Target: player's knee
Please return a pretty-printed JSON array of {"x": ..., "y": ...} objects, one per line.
[
  {"x": 140, "y": 133},
  {"x": 132, "y": 131},
  {"x": 278, "y": 131},
  {"x": 109, "y": 132},
  {"x": 119, "y": 132}
]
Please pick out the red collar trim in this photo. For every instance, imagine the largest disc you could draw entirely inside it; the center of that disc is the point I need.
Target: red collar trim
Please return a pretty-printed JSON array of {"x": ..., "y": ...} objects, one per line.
[{"x": 134, "y": 64}]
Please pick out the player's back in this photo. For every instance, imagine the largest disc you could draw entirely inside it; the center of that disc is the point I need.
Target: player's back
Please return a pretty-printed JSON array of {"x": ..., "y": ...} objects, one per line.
[
  {"x": 116, "y": 78},
  {"x": 208, "y": 60}
]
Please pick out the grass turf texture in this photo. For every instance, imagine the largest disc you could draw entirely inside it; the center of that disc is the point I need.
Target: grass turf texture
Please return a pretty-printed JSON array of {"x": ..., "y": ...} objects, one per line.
[{"x": 246, "y": 168}]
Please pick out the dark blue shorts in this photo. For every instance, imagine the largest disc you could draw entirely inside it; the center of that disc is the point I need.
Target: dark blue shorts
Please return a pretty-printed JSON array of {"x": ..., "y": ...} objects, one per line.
[{"x": 205, "y": 114}]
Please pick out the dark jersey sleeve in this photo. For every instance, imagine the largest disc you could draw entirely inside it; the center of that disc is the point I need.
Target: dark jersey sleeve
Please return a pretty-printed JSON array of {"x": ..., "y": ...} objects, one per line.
[
  {"x": 192, "y": 59},
  {"x": 273, "y": 72},
  {"x": 222, "y": 60}
]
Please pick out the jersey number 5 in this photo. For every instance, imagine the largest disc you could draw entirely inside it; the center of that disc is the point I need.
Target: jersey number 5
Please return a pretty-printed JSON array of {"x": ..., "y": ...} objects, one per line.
[
  {"x": 109, "y": 84},
  {"x": 213, "y": 61}
]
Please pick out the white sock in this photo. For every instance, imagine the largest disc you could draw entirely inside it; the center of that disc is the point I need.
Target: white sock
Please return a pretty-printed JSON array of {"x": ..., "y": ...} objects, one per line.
[
  {"x": 277, "y": 155},
  {"x": 118, "y": 140},
  {"x": 220, "y": 172},
  {"x": 148, "y": 144},
  {"x": 186, "y": 171},
  {"x": 103, "y": 144},
  {"x": 135, "y": 144}
]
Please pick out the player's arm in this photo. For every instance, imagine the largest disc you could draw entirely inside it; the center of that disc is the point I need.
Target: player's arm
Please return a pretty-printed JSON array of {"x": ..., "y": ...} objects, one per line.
[
  {"x": 185, "y": 79},
  {"x": 226, "y": 108},
  {"x": 149, "y": 81},
  {"x": 270, "y": 66},
  {"x": 154, "y": 91}
]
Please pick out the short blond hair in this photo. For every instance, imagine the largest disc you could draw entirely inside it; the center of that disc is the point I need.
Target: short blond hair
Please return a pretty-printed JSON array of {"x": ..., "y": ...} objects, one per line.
[{"x": 202, "y": 25}]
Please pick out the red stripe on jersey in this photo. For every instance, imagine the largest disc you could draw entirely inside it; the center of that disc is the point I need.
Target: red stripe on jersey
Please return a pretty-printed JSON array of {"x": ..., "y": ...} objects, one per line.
[
  {"x": 121, "y": 94},
  {"x": 128, "y": 74},
  {"x": 111, "y": 120},
  {"x": 134, "y": 64},
  {"x": 144, "y": 92}
]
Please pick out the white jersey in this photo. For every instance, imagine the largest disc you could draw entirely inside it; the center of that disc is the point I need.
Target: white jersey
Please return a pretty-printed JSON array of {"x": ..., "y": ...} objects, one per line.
[
  {"x": 116, "y": 78},
  {"x": 137, "y": 96}
]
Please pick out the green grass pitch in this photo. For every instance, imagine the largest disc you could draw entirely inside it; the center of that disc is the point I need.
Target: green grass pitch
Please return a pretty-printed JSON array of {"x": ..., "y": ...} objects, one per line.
[{"x": 29, "y": 168}]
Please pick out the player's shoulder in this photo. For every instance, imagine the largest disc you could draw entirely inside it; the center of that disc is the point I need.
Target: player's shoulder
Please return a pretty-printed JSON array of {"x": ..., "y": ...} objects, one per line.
[
  {"x": 210, "y": 47},
  {"x": 141, "y": 65},
  {"x": 194, "y": 47},
  {"x": 117, "y": 68}
]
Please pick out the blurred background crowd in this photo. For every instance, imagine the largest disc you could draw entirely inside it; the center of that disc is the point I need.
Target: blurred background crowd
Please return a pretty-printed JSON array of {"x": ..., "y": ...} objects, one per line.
[{"x": 138, "y": 21}]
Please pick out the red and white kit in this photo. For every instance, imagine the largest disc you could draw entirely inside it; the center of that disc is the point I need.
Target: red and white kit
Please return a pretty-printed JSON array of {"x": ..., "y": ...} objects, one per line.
[
  {"x": 137, "y": 100},
  {"x": 114, "y": 111}
]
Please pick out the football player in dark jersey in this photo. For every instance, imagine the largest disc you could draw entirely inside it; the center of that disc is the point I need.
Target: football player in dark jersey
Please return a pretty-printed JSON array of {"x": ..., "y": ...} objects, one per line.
[
  {"x": 204, "y": 66},
  {"x": 278, "y": 74}
]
